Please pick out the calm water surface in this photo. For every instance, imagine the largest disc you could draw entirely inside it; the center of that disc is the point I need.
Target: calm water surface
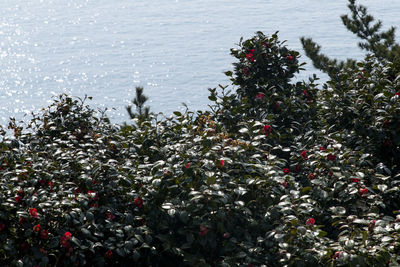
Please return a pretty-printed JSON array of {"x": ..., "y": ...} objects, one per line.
[{"x": 176, "y": 49}]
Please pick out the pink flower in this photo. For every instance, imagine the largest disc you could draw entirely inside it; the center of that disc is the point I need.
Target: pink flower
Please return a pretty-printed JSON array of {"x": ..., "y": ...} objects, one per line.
[
  {"x": 304, "y": 154},
  {"x": 204, "y": 230},
  {"x": 310, "y": 221},
  {"x": 138, "y": 202},
  {"x": 286, "y": 170},
  {"x": 267, "y": 129},
  {"x": 226, "y": 235},
  {"x": 33, "y": 212}
]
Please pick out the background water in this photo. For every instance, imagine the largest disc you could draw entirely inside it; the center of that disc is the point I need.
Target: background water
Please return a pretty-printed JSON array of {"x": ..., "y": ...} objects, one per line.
[{"x": 176, "y": 49}]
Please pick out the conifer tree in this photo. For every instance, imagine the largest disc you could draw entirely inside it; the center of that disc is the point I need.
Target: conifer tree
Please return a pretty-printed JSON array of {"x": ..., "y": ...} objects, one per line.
[
  {"x": 142, "y": 111},
  {"x": 373, "y": 39}
]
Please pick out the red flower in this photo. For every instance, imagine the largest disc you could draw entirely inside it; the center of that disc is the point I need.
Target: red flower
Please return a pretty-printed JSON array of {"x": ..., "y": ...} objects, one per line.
[
  {"x": 77, "y": 190},
  {"x": 331, "y": 157},
  {"x": 386, "y": 123},
  {"x": 187, "y": 166},
  {"x": 109, "y": 254},
  {"x": 398, "y": 93},
  {"x": 64, "y": 242},
  {"x": 110, "y": 216},
  {"x": 304, "y": 154},
  {"x": 259, "y": 96},
  {"x": 51, "y": 184},
  {"x": 226, "y": 235},
  {"x": 363, "y": 191},
  {"x": 311, "y": 176},
  {"x": 64, "y": 239},
  {"x": 36, "y": 228},
  {"x": 387, "y": 143},
  {"x": 24, "y": 246},
  {"x": 297, "y": 168},
  {"x": 322, "y": 148},
  {"x": 305, "y": 93},
  {"x": 18, "y": 199},
  {"x": 250, "y": 56},
  {"x": 33, "y": 212},
  {"x": 289, "y": 57},
  {"x": 267, "y": 129},
  {"x": 337, "y": 254},
  {"x": 284, "y": 183},
  {"x": 204, "y": 230},
  {"x": 44, "y": 234},
  {"x": 68, "y": 235},
  {"x": 276, "y": 106},
  {"x": 2, "y": 226},
  {"x": 355, "y": 180},
  {"x": 246, "y": 71},
  {"x": 94, "y": 205},
  {"x": 222, "y": 163},
  {"x": 310, "y": 221},
  {"x": 138, "y": 202},
  {"x": 286, "y": 170},
  {"x": 92, "y": 195}
]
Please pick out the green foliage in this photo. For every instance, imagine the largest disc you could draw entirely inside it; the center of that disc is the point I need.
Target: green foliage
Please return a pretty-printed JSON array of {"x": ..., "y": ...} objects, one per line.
[{"x": 275, "y": 174}]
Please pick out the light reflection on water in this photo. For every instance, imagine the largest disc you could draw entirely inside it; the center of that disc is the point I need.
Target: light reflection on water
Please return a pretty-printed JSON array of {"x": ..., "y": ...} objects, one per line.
[{"x": 175, "y": 49}]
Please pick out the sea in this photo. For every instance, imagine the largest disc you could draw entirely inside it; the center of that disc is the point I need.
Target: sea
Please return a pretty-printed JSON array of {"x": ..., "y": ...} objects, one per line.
[{"x": 175, "y": 49}]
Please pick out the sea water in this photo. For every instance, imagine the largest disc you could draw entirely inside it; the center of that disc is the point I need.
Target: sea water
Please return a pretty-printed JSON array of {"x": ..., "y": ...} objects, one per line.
[{"x": 175, "y": 49}]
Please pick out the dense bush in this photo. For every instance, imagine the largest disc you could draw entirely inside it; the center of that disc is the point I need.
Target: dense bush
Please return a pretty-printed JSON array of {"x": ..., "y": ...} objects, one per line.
[{"x": 275, "y": 174}]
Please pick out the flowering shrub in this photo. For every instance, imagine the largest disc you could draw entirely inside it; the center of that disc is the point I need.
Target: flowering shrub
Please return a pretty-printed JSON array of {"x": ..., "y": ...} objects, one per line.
[{"x": 276, "y": 174}]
